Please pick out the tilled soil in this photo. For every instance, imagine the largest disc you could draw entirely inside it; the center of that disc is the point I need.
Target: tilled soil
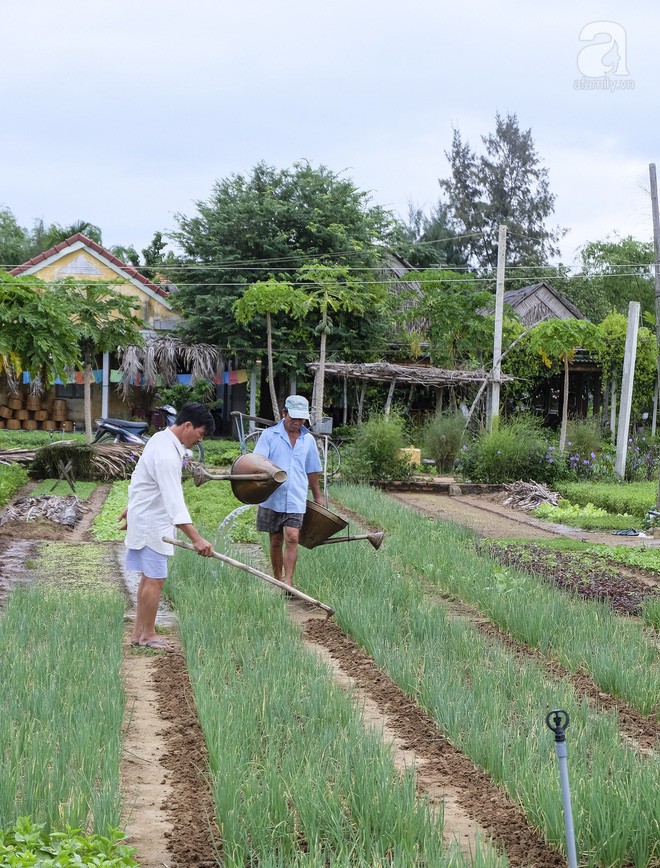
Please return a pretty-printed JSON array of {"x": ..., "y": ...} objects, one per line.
[{"x": 179, "y": 790}]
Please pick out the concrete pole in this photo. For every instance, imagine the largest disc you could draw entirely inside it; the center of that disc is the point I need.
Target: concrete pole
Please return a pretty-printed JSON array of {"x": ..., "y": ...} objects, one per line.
[
  {"x": 626, "y": 389},
  {"x": 494, "y": 402},
  {"x": 656, "y": 248},
  {"x": 105, "y": 385}
]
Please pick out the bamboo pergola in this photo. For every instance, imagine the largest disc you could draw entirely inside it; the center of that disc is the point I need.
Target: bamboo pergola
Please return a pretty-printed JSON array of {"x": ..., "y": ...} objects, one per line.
[{"x": 417, "y": 375}]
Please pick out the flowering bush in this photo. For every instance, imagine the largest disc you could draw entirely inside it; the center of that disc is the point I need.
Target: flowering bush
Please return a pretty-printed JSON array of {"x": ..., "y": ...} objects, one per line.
[
  {"x": 518, "y": 450},
  {"x": 590, "y": 465},
  {"x": 642, "y": 458}
]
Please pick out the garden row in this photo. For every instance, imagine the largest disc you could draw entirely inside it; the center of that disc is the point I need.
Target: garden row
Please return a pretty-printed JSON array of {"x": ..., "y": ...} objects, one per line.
[
  {"x": 296, "y": 778},
  {"x": 491, "y": 702},
  {"x": 305, "y": 782}
]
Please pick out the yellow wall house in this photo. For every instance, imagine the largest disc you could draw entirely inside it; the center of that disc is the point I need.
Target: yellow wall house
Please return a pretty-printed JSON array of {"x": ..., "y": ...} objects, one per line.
[{"x": 80, "y": 257}]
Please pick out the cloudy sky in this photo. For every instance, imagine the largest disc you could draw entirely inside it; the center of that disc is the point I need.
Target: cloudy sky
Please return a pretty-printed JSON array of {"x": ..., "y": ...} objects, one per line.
[{"x": 124, "y": 113}]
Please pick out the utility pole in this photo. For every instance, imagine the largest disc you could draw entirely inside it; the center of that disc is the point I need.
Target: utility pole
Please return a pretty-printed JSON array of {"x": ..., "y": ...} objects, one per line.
[
  {"x": 494, "y": 403},
  {"x": 656, "y": 248}
]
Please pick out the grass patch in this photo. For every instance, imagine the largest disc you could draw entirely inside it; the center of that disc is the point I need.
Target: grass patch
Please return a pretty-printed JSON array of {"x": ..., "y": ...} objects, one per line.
[
  {"x": 632, "y": 498},
  {"x": 34, "y": 439},
  {"x": 208, "y": 504},
  {"x": 12, "y": 478},
  {"x": 83, "y": 490},
  {"x": 586, "y": 516},
  {"x": 105, "y": 526}
]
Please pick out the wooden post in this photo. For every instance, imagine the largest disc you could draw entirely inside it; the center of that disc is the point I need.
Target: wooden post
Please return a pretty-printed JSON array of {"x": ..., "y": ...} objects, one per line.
[
  {"x": 363, "y": 389},
  {"x": 494, "y": 403},
  {"x": 345, "y": 416},
  {"x": 390, "y": 395},
  {"x": 253, "y": 393},
  {"x": 626, "y": 389}
]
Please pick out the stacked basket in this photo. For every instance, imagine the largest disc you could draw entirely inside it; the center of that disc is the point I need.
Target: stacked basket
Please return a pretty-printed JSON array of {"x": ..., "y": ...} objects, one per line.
[{"x": 28, "y": 414}]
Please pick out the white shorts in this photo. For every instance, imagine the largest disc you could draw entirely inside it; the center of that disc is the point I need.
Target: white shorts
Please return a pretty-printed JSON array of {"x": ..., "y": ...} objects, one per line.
[{"x": 151, "y": 564}]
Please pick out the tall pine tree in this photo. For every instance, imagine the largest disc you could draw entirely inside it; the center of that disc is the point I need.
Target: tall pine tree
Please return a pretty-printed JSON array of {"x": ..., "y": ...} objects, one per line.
[{"x": 505, "y": 185}]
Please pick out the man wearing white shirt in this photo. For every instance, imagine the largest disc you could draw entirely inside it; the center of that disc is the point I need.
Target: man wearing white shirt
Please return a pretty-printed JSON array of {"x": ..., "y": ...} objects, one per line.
[
  {"x": 290, "y": 446},
  {"x": 156, "y": 508}
]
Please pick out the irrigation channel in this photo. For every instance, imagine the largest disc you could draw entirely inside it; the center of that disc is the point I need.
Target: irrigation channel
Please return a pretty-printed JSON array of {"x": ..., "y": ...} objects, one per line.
[{"x": 168, "y": 796}]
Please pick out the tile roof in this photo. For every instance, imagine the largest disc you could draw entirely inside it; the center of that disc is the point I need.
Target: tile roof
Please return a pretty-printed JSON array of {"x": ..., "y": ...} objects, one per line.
[{"x": 129, "y": 270}]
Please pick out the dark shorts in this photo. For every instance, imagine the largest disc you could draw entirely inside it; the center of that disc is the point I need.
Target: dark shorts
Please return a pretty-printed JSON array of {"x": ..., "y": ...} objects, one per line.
[{"x": 269, "y": 521}]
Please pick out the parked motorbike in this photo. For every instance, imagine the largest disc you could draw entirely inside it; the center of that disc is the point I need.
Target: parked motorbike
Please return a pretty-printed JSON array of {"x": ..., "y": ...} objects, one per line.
[{"x": 123, "y": 431}]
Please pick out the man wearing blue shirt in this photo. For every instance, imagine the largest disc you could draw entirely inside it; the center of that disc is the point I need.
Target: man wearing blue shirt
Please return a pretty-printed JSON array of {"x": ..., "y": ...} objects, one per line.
[{"x": 292, "y": 447}]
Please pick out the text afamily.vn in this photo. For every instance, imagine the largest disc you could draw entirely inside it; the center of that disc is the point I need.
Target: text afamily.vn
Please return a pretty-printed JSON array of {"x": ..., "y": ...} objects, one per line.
[{"x": 606, "y": 83}]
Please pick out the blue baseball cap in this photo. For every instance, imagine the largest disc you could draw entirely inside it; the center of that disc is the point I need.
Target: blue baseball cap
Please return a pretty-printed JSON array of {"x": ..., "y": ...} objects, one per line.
[{"x": 297, "y": 407}]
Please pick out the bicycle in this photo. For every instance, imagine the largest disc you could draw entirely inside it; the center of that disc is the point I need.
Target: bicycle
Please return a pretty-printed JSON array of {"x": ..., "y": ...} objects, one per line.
[{"x": 328, "y": 451}]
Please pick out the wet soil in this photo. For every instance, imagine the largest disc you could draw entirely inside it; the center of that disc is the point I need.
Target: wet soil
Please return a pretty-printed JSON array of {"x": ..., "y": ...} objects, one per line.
[{"x": 168, "y": 803}]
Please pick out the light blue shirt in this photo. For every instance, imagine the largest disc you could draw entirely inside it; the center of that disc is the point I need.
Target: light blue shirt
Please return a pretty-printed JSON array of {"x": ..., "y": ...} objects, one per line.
[{"x": 298, "y": 461}]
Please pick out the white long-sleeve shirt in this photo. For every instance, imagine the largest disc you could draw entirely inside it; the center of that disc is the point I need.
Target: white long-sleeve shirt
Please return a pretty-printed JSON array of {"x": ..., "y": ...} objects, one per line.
[{"x": 155, "y": 496}]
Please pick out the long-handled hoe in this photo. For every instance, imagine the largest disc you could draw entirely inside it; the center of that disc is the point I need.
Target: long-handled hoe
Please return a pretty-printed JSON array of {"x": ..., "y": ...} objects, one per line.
[{"x": 329, "y": 612}]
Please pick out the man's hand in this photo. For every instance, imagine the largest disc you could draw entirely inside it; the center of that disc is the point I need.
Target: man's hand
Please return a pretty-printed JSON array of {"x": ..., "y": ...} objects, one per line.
[
  {"x": 203, "y": 547},
  {"x": 122, "y": 520}
]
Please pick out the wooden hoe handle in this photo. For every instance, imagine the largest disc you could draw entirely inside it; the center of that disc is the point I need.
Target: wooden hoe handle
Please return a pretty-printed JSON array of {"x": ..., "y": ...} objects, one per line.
[{"x": 254, "y": 572}]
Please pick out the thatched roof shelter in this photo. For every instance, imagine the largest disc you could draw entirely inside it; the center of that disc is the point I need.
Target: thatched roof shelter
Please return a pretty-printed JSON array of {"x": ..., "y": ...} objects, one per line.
[{"x": 419, "y": 375}]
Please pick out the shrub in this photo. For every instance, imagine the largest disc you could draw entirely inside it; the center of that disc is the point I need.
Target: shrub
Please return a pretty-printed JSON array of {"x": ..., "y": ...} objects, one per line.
[
  {"x": 375, "y": 453},
  {"x": 584, "y": 436},
  {"x": 587, "y": 456},
  {"x": 47, "y": 460},
  {"x": 518, "y": 450},
  {"x": 643, "y": 457},
  {"x": 442, "y": 439},
  {"x": 221, "y": 453}
]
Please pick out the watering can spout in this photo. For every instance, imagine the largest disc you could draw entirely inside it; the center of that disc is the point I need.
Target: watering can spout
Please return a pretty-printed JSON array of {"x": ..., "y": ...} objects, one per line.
[
  {"x": 319, "y": 525},
  {"x": 253, "y": 477}
]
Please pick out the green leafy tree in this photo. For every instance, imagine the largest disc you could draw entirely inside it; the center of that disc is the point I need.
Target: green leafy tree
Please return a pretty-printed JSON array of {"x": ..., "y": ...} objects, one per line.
[
  {"x": 614, "y": 272},
  {"x": 268, "y": 298},
  {"x": 154, "y": 259},
  {"x": 104, "y": 319},
  {"x": 42, "y": 237},
  {"x": 17, "y": 244},
  {"x": 451, "y": 307},
  {"x": 505, "y": 185},
  {"x": 428, "y": 240},
  {"x": 14, "y": 243},
  {"x": 333, "y": 289},
  {"x": 271, "y": 221},
  {"x": 608, "y": 346},
  {"x": 36, "y": 333},
  {"x": 556, "y": 340}
]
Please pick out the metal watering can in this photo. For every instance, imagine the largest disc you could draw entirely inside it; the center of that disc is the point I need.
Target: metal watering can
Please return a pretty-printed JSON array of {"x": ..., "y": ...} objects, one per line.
[
  {"x": 319, "y": 524},
  {"x": 253, "y": 477}
]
